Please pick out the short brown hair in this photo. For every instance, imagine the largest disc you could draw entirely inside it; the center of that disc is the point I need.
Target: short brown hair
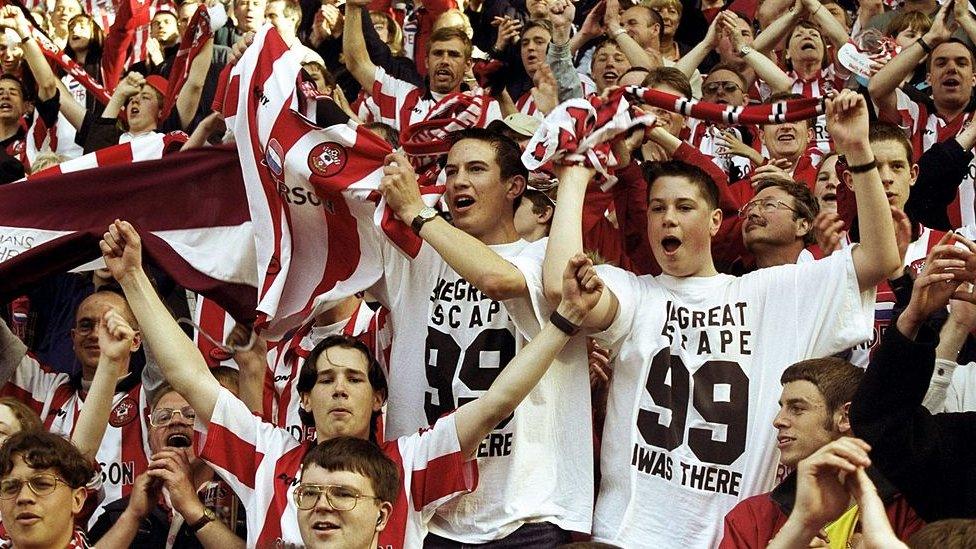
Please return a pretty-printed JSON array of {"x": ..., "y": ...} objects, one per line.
[
  {"x": 29, "y": 422},
  {"x": 671, "y": 77},
  {"x": 357, "y": 456},
  {"x": 915, "y": 20},
  {"x": 44, "y": 450},
  {"x": 945, "y": 534},
  {"x": 787, "y": 96},
  {"x": 675, "y": 168},
  {"x": 835, "y": 378},
  {"x": 445, "y": 34},
  {"x": 806, "y": 204},
  {"x": 727, "y": 67},
  {"x": 884, "y": 131}
]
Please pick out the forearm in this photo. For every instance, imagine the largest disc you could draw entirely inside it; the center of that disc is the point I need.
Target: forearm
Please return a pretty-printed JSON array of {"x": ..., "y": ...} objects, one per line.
[
  {"x": 883, "y": 84},
  {"x": 690, "y": 61},
  {"x": 474, "y": 260},
  {"x": 566, "y": 231},
  {"x": 354, "y": 47},
  {"x": 12, "y": 352},
  {"x": 251, "y": 384},
  {"x": 878, "y": 252},
  {"x": 476, "y": 419},
  {"x": 830, "y": 27},
  {"x": 951, "y": 339},
  {"x": 793, "y": 535},
  {"x": 47, "y": 83},
  {"x": 178, "y": 358},
  {"x": 770, "y": 73},
  {"x": 93, "y": 419},
  {"x": 776, "y": 31},
  {"x": 635, "y": 54},
  {"x": 122, "y": 533},
  {"x": 70, "y": 108},
  {"x": 188, "y": 99},
  {"x": 568, "y": 85},
  {"x": 968, "y": 25},
  {"x": 216, "y": 535}
]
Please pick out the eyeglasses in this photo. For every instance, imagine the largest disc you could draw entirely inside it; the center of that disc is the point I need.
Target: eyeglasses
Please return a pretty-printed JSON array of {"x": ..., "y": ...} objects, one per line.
[
  {"x": 85, "y": 326},
  {"x": 162, "y": 417},
  {"x": 340, "y": 498},
  {"x": 728, "y": 87},
  {"x": 765, "y": 205},
  {"x": 42, "y": 485}
]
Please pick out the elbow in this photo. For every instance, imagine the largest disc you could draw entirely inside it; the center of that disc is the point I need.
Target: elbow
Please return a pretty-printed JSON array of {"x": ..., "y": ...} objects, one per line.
[
  {"x": 500, "y": 287},
  {"x": 46, "y": 90}
]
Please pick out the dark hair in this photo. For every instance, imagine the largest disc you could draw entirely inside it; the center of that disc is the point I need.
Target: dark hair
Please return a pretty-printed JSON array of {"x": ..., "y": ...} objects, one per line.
[
  {"x": 20, "y": 84},
  {"x": 386, "y": 131},
  {"x": 835, "y": 378},
  {"x": 310, "y": 372},
  {"x": 675, "y": 168},
  {"x": 806, "y": 24},
  {"x": 786, "y": 96},
  {"x": 951, "y": 40},
  {"x": 884, "y": 131},
  {"x": 671, "y": 77},
  {"x": 508, "y": 155},
  {"x": 29, "y": 421},
  {"x": 444, "y": 34},
  {"x": 945, "y": 534},
  {"x": 655, "y": 19},
  {"x": 909, "y": 20},
  {"x": 543, "y": 24},
  {"x": 95, "y": 44},
  {"x": 540, "y": 200},
  {"x": 806, "y": 204},
  {"x": 44, "y": 450},
  {"x": 356, "y": 455}
]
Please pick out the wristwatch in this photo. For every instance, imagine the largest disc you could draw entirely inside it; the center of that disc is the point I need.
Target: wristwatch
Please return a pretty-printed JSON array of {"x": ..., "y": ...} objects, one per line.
[
  {"x": 208, "y": 517},
  {"x": 426, "y": 214},
  {"x": 745, "y": 49}
]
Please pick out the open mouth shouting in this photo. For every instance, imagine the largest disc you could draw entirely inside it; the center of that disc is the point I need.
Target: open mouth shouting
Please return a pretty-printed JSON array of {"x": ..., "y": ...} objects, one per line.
[
  {"x": 610, "y": 77},
  {"x": 670, "y": 245},
  {"x": 179, "y": 440},
  {"x": 952, "y": 83},
  {"x": 463, "y": 203}
]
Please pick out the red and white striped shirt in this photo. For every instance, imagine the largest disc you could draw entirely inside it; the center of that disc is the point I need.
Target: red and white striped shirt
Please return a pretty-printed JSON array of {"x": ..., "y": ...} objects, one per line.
[
  {"x": 702, "y": 137},
  {"x": 826, "y": 80},
  {"x": 285, "y": 360},
  {"x": 926, "y": 128},
  {"x": 57, "y": 399},
  {"x": 400, "y": 104},
  {"x": 262, "y": 464}
]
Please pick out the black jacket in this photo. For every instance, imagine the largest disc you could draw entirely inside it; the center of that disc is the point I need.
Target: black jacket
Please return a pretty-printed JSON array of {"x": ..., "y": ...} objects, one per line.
[{"x": 931, "y": 459}]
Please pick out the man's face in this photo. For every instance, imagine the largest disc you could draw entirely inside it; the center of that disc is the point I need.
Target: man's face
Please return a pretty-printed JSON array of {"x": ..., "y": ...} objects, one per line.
[
  {"x": 680, "y": 226},
  {"x": 725, "y": 87},
  {"x": 186, "y": 11},
  {"x": 538, "y": 9},
  {"x": 788, "y": 140},
  {"x": 142, "y": 110},
  {"x": 80, "y": 33},
  {"x": 637, "y": 21},
  {"x": 63, "y": 11},
  {"x": 476, "y": 195},
  {"x": 827, "y": 182},
  {"x": 897, "y": 171},
  {"x": 10, "y": 55},
  {"x": 249, "y": 14},
  {"x": 534, "y": 44},
  {"x": 84, "y": 335},
  {"x": 670, "y": 15},
  {"x": 447, "y": 65},
  {"x": 164, "y": 28},
  {"x": 671, "y": 121},
  {"x": 763, "y": 230},
  {"x": 322, "y": 526},
  {"x": 907, "y": 37},
  {"x": 608, "y": 64},
  {"x": 40, "y": 521},
  {"x": 803, "y": 424},
  {"x": 342, "y": 400},
  {"x": 275, "y": 14},
  {"x": 805, "y": 44},
  {"x": 951, "y": 75},
  {"x": 178, "y": 431}
]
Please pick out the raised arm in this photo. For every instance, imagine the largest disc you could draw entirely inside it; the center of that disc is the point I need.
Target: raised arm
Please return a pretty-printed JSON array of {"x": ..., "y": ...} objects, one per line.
[
  {"x": 767, "y": 70},
  {"x": 559, "y": 59},
  {"x": 566, "y": 240},
  {"x": 830, "y": 28},
  {"x": 847, "y": 122},
  {"x": 964, "y": 18},
  {"x": 690, "y": 61},
  {"x": 47, "y": 84},
  {"x": 354, "y": 45},
  {"x": 778, "y": 29},
  {"x": 116, "y": 343},
  {"x": 581, "y": 290},
  {"x": 72, "y": 110},
  {"x": 638, "y": 56},
  {"x": 885, "y": 83},
  {"x": 181, "y": 362},
  {"x": 467, "y": 255},
  {"x": 128, "y": 86},
  {"x": 188, "y": 99}
]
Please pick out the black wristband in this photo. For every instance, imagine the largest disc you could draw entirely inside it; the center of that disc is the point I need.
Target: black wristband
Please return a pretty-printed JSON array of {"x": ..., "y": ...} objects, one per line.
[
  {"x": 564, "y": 325},
  {"x": 925, "y": 45},
  {"x": 863, "y": 168}
]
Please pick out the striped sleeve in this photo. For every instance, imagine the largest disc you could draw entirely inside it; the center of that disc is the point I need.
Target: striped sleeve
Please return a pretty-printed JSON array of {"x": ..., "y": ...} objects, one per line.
[
  {"x": 436, "y": 468},
  {"x": 908, "y": 112},
  {"x": 237, "y": 443},
  {"x": 34, "y": 385},
  {"x": 389, "y": 95}
]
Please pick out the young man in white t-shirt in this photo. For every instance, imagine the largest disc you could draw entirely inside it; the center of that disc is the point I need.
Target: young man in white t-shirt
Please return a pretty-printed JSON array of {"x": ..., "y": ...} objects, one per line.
[
  {"x": 342, "y": 387},
  {"x": 699, "y": 354},
  {"x": 459, "y": 311}
]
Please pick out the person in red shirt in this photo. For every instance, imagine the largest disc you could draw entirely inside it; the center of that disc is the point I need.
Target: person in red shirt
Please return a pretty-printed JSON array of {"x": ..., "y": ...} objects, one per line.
[{"x": 813, "y": 412}]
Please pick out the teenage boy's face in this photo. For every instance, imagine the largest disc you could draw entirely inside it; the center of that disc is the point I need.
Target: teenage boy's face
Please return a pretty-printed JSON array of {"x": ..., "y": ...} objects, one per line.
[
  {"x": 803, "y": 423},
  {"x": 680, "y": 227},
  {"x": 342, "y": 400},
  {"x": 325, "y": 526},
  {"x": 40, "y": 521}
]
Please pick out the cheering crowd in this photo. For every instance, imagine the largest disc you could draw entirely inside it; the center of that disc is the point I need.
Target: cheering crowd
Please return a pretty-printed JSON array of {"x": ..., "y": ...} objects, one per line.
[{"x": 487, "y": 273}]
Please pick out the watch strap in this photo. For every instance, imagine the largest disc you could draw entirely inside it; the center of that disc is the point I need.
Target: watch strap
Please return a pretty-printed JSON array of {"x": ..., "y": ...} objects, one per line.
[
  {"x": 425, "y": 215},
  {"x": 207, "y": 517}
]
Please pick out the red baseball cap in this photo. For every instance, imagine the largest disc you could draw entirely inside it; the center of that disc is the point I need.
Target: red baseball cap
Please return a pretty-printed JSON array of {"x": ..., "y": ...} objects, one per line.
[{"x": 158, "y": 83}]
